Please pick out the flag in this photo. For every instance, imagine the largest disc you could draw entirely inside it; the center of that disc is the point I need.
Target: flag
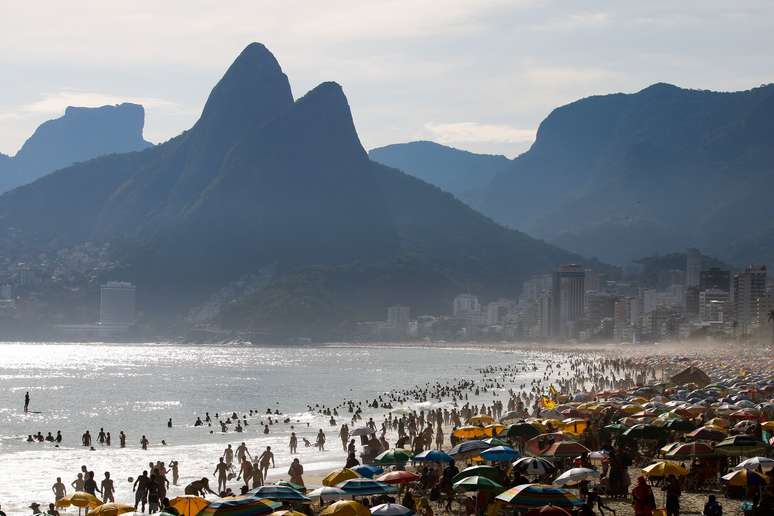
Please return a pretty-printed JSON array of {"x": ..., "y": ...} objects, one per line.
[
  {"x": 547, "y": 402},
  {"x": 553, "y": 392}
]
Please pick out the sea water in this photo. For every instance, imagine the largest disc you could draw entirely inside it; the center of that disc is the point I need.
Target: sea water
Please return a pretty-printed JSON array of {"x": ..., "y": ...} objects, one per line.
[{"x": 137, "y": 388}]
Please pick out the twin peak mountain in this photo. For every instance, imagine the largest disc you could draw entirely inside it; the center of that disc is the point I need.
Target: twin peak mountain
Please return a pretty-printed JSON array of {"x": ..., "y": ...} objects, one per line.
[{"x": 265, "y": 181}]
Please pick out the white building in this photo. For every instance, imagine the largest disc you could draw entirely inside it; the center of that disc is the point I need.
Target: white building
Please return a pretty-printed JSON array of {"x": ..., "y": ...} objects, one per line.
[
  {"x": 693, "y": 268},
  {"x": 465, "y": 305}
]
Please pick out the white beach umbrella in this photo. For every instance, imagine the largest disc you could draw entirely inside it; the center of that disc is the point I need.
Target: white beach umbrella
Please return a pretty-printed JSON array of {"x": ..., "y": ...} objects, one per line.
[
  {"x": 328, "y": 493},
  {"x": 764, "y": 462},
  {"x": 391, "y": 509},
  {"x": 576, "y": 475}
]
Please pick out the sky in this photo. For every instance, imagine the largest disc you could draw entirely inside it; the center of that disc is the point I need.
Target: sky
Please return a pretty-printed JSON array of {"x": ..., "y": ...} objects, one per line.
[{"x": 478, "y": 75}]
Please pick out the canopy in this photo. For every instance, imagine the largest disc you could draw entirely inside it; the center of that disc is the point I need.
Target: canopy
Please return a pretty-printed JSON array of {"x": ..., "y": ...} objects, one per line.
[{"x": 691, "y": 374}]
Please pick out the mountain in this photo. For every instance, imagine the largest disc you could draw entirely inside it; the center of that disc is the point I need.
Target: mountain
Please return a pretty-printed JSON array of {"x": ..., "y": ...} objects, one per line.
[
  {"x": 463, "y": 174},
  {"x": 80, "y": 135},
  {"x": 263, "y": 185},
  {"x": 626, "y": 175}
]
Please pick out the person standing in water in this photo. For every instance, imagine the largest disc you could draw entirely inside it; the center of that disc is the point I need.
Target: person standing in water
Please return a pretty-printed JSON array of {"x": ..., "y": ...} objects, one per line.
[
  {"x": 27, "y": 401},
  {"x": 221, "y": 470},
  {"x": 59, "y": 489},
  {"x": 107, "y": 488},
  {"x": 264, "y": 460}
]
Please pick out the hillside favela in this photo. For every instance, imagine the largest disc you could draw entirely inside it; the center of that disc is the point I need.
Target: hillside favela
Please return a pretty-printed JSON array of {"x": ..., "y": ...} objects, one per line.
[{"x": 475, "y": 258}]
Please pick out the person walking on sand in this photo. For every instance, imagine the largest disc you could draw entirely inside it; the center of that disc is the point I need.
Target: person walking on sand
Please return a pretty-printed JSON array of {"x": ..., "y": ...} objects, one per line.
[
  {"x": 59, "y": 489},
  {"x": 264, "y": 460},
  {"x": 27, "y": 401},
  {"x": 140, "y": 488},
  {"x": 221, "y": 470}
]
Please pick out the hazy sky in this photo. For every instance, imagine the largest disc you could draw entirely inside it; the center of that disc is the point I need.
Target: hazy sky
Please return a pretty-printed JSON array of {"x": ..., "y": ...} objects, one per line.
[{"x": 478, "y": 75}]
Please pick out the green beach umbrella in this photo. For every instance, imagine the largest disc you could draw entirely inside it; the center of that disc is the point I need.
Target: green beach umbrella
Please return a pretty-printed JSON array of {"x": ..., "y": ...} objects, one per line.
[
  {"x": 394, "y": 456},
  {"x": 476, "y": 483}
]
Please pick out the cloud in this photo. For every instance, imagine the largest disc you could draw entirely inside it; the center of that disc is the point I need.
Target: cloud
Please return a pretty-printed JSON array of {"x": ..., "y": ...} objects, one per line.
[
  {"x": 475, "y": 132},
  {"x": 55, "y": 103}
]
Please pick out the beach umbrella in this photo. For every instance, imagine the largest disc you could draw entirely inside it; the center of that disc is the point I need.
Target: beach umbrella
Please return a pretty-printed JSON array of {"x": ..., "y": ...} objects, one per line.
[
  {"x": 394, "y": 456},
  {"x": 743, "y": 478},
  {"x": 644, "y": 432},
  {"x": 298, "y": 487},
  {"x": 346, "y": 508},
  {"x": 398, "y": 477},
  {"x": 616, "y": 428},
  {"x": 707, "y": 433},
  {"x": 599, "y": 457},
  {"x": 500, "y": 454},
  {"x": 511, "y": 416},
  {"x": 687, "y": 450},
  {"x": 278, "y": 493},
  {"x": 754, "y": 463},
  {"x": 366, "y": 470},
  {"x": 240, "y": 506},
  {"x": 534, "y": 466},
  {"x": 740, "y": 445},
  {"x": 391, "y": 509},
  {"x": 566, "y": 449},
  {"x": 365, "y": 487},
  {"x": 521, "y": 430},
  {"x": 110, "y": 509},
  {"x": 494, "y": 441},
  {"x": 82, "y": 499},
  {"x": 468, "y": 449},
  {"x": 188, "y": 505},
  {"x": 479, "y": 471},
  {"x": 548, "y": 510},
  {"x": 494, "y": 429},
  {"x": 538, "y": 445},
  {"x": 576, "y": 475},
  {"x": 432, "y": 456},
  {"x": 287, "y": 513},
  {"x": 480, "y": 419},
  {"x": 476, "y": 483},
  {"x": 664, "y": 469},
  {"x": 680, "y": 425},
  {"x": 339, "y": 475},
  {"x": 768, "y": 426},
  {"x": 327, "y": 493},
  {"x": 538, "y": 495},
  {"x": 470, "y": 432},
  {"x": 63, "y": 502}
]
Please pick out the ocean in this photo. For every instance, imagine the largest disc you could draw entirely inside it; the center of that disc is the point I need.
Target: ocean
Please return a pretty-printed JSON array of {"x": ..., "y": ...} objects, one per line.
[{"x": 137, "y": 388}]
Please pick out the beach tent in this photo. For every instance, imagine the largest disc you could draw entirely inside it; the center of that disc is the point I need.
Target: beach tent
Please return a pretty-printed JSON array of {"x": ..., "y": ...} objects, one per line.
[{"x": 691, "y": 374}]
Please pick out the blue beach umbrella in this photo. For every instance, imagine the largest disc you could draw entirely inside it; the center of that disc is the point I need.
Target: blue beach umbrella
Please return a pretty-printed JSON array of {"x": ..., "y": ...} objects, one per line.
[
  {"x": 368, "y": 471},
  {"x": 365, "y": 487},
  {"x": 500, "y": 454},
  {"x": 433, "y": 456},
  {"x": 279, "y": 493}
]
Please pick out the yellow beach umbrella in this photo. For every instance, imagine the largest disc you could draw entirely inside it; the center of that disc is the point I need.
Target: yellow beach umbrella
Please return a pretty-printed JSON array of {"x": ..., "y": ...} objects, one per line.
[
  {"x": 480, "y": 419},
  {"x": 82, "y": 499},
  {"x": 346, "y": 508},
  {"x": 470, "y": 432},
  {"x": 768, "y": 426},
  {"x": 111, "y": 509},
  {"x": 664, "y": 469},
  {"x": 632, "y": 408},
  {"x": 494, "y": 429},
  {"x": 63, "y": 502},
  {"x": 338, "y": 476},
  {"x": 188, "y": 505},
  {"x": 741, "y": 478}
]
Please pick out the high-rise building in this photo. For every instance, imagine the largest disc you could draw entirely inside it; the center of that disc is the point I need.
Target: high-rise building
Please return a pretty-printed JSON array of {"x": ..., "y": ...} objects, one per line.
[
  {"x": 713, "y": 305},
  {"x": 715, "y": 278},
  {"x": 568, "y": 299},
  {"x": 750, "y": 299},
  {"x": 117, "y": 303},
  {"x": 497, "y": 311},
  {"x": 465, "y": 305},
  {"x": 692, "y": 268}
]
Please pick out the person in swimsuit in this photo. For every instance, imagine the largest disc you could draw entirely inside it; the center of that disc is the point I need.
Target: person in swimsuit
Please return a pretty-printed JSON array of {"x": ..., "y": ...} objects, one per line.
[
  {"x": 108, "y": 490},
  {"x": 59, "y": 489},
  {"x": 221, "y": 470},
  {"x": 77, "y": 484},
  {"x": 265, "y": 459}
]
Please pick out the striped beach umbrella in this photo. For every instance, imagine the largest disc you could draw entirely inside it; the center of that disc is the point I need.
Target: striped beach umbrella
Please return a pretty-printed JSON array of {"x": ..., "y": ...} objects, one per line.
[
  {"x": 538, "y": 495},
  {"x": 240, "y": 506},
  {"x": 278, "y": 493},
  {"x": 534, "y": 466}
]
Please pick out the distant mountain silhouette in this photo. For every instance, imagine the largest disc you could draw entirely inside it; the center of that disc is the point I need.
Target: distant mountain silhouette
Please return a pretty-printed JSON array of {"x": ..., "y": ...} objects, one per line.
[
  {"x": 263, "y": 182},
  {"x": 621, "y": 176},
  {"x": 464, "y": 174},
  {"x": 80, "y": 135}
]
